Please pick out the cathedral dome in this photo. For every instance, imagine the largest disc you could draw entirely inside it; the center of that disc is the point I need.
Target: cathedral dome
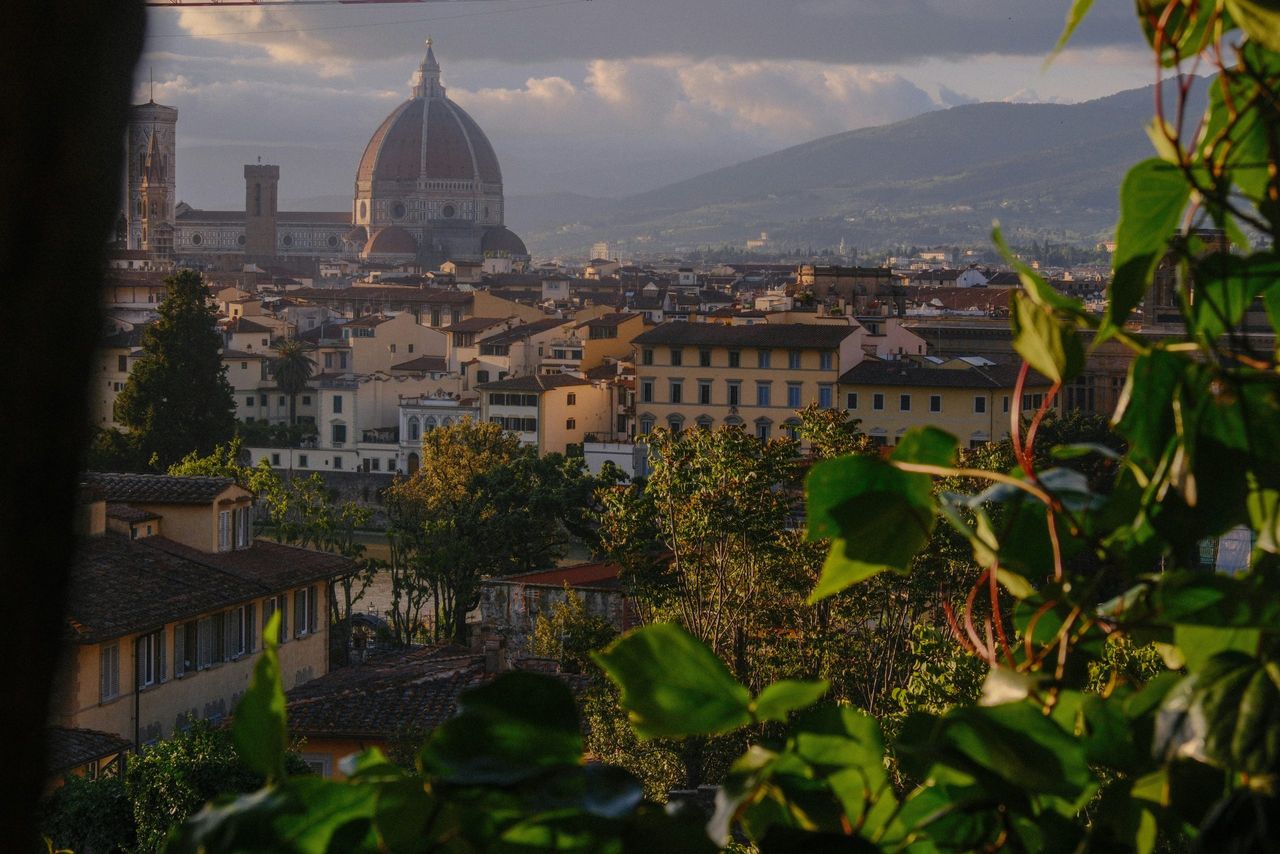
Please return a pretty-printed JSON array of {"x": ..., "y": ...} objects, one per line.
[
  {"x": 503, "y": 240},
  {"x": 428, "y": 138},
  {"x": 392, "y": 240}
]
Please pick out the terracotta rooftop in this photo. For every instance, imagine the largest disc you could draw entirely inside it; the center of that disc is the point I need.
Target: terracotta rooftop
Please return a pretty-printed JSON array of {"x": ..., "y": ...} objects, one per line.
[
  {"x": 384, "y": 293},
  {"x": 602, "y": 574},
  {"x": 605, "y": 320},
  {"x": 157, "y": 488},
  {"x": 475, "y": 324},
  {"x": 121, "y": 586},
  {"x": 70, "y": 748},
  {"x": 535, "y": 382},
  {"x": 905, "y": 373},
  {"x": 798, "y": 335},
  {"x": 431, "y": 364},
  {"x": 125, "y": 513},
  {"x": 523, "y": 331}
]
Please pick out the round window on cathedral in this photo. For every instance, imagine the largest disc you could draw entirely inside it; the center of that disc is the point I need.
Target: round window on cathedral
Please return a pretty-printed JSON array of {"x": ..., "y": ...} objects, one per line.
[
  {"x": 287, "y": 240},
  {"x": 333, "y": 240},
  {"x": 240, "y": 240},
  {"x": 397, "y": 210},
  {"x": 196, "y": 239},
  {"x": 449, "y": 211}
]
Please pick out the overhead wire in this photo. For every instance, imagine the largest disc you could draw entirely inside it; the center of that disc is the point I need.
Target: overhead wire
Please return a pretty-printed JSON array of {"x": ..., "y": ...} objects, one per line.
[{"x": 430, "y": 20}]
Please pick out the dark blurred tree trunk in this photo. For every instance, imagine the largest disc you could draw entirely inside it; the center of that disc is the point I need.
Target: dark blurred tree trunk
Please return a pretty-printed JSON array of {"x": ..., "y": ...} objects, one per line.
[{"x": 67, "y": 67}]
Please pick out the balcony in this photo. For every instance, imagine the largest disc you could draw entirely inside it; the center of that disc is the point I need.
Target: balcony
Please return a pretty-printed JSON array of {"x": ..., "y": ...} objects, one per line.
[{"x": 381, "y": 436}]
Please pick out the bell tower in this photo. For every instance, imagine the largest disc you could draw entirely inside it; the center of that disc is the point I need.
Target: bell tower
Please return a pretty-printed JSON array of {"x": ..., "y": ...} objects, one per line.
[
  {"x": 153, "y": 193},
  {"x": 260, "y": 184}
]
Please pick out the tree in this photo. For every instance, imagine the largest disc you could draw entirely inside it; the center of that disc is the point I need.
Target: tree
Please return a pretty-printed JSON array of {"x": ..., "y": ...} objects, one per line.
[
  {"x": 291, "y": 369},
  {"x": 89, "y": 815},
  {"x": 227, "y": 460},
  {"x": 177, "y": 399},
  {"x": 480, "y": 504},
  {"x": 570, "y": 634}
]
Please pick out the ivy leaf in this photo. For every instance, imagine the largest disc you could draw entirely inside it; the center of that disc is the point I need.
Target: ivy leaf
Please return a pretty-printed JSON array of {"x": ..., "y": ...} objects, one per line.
[
  {"x": 1035, "y": 286},
  {"x": 785, "y": 696},
  {"x": 1199, "y": 644},
  {"x": 513, "y": 728},
  {"x": 1044, "y": 341},
  {"x": 259, "y": 728},
  {"x": 1228, "y": 713},
  {"x": 1079, "y": 8},
  {"x": 304, "y": 815},
  {"x": 1225, "y": 289},
  {"x": 672, "y": 685},
  {"x": 1152, "y": 199},
  {"x": 1260, "y": 19}
]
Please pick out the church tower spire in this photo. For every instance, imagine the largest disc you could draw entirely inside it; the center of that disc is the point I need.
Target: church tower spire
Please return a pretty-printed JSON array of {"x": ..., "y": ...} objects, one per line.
[{"x": 426, "y": 83}]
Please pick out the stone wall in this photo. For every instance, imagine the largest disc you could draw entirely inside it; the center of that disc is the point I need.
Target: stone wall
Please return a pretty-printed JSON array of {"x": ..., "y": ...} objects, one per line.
[{"x": 511, "y": 609}]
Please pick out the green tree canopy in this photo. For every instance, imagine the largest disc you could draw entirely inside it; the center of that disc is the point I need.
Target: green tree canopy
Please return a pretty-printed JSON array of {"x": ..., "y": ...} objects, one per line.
[
  {"x": 177, "y": 399},
  {"x": 292, "y": 368}
]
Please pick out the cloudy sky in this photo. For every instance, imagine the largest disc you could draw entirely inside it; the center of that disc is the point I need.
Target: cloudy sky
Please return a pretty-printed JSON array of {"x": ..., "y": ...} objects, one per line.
[{"x": 600, "y": 97}]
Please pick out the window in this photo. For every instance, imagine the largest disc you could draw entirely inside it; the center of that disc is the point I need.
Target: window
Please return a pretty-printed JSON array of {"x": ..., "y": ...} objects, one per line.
[
  {"x": 248, "y": 401},
  {"x": 122, "y": 364},
  {"x": 763, "y": 358},
  {"x": 935, "y": 403},
  {"x": 186, "y": 647},
  {"x": 979, "y": 404},
  {"x": 482, "y": 376},
  {"x": 302, "y": 461},
  {"x": 337, "y": 462},
  {"x": 282, "y": 400},
  {"x": 108, "y": 672},
  {"x": 573, "y": 399},
  {"x": 904, "y": 403},
  {"x": 877, "y": 401},
  {"x": 824, "y": 395},
  {"x": 305, "y": 612},
  {"x": 646, "y": 356},
  {"x": 275, "y": 459},
  {"x": 1006, "y": 404},
  {"x": 339, "y": 432},
  {"x": 570, "y": 424},
  {"x": 735, "y": 392},
  {"x": 375, "y": 464},
  {"x": 825, "y": 361},
  {"x": 675, "y": 423},
  {"x": 435, "y": 317},
  {"x": 762, "y": 430},
  {"x": 793, "y": 360},
  {"x": 328, "y": 360},
  {"x": 851, "y": 400},
  {"x": 646, "y": 391},
  {"x": 646, "y": 426},
  {"x": 262, "y": 400},
  {"x": 1032, "y": 401},
  {"x": 337, "y": 404},
  {"x": 704, "y": 392},
  {"x": 735, "y": 359},
  {"x": 224, "y": 531},
  {"x": 677, "y": 356},
  {"x": 677, "y": 391},
  {"x": 414, "y": 429},
  {"x": 393, "y": 348},
  {"x": 270, "y": 606},
  {"x": 762, "y": 394},
  {"x": 150, "y": 659},
  {"x": 410, "y": 348},
  {"x": 704, "y": 358},
  {"x": 306, "y": 400}
]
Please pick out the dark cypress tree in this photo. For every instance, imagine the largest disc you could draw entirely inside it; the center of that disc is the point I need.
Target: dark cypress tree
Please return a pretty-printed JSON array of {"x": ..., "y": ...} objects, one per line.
[{"x": 178, "y": 399}]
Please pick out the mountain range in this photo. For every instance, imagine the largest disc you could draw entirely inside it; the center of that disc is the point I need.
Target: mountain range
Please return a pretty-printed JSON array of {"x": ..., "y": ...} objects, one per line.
[{"x": 1048, "y": 171}]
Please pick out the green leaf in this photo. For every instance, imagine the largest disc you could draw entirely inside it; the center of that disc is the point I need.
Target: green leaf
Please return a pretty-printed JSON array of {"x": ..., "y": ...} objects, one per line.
[
  {"x": 1152, "y": 199},
  {"x": 259, "y": 729},
  {"x": 1079, "y": 8},
  {"x": 926, "y": 445},
  {"x": 1226, "y": 286},
  {"x": 302, "y": 816},
  {"x": 673, "y": 685},
  {"x": 1046, "y": 343},
  {"x": 402, "y": 814},
  {"x": 876, "y": 515},
  {"x": 1034, "y": 285},
  {"x": 1199, "y": 644},
  {"x": 1259, "y": 18},
  {"x": 1233, "y": 715},
  {"x": 513, "y": 728},
  {"x": 787, "y": 695}
]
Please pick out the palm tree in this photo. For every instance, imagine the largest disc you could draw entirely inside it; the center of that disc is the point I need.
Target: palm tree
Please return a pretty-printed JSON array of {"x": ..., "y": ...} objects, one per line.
[{"x": 291, "y": 369}]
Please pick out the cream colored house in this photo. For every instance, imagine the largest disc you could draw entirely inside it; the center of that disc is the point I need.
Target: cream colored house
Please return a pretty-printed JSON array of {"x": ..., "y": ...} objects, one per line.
[
  {"x": 378, "y": 341},
  {"x": 755, "y": 377},
  {"x": 585, "y": 345},
  {"x": 115, "y": 357},
  {"x": 549, "y": 411},
  {"x": 970, "y": 398},
  {"x": 169, "y": 596}
]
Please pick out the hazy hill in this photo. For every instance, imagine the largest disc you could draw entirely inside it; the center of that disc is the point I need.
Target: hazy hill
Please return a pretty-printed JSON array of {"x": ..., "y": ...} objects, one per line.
[{"x": 1048, "y": 169}]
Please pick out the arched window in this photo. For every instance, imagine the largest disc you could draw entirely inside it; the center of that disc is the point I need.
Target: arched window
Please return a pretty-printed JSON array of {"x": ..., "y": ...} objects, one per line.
[
  {"x": 764, "y": 427},
  {"x": 646, "y": 425},
  {"x": 705, "y": 422},
  {"x": 447, "y": 422},
  {"x": 792, "y": 428},
  {"x": 430, "y": 423},
  {"x": 734, "y": 421},
  {"x": 675, "y": 423},
  {"x": 414, "y": 428},
  {"x": 413, "y": 463}
]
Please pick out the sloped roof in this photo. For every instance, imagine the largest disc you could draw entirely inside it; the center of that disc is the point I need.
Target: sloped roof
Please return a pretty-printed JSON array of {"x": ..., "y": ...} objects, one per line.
[
  {"x": 905, "y": 373},
  {"x": 70, "y": 748},
  {"x": 127, "y": 487},
  {"x": 120, "y": 586},
  {"x": 535, "y": 383},
  {"x": 432, "y": 364},
  {"x": 798, "y": 335},
  {"x": 523, "y": 331},
  {"x": 475, "y": 324}
]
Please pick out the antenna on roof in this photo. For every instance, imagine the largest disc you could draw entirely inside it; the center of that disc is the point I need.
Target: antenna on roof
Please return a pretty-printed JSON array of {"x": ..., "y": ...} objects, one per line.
[{"x": 151, "y": 70}]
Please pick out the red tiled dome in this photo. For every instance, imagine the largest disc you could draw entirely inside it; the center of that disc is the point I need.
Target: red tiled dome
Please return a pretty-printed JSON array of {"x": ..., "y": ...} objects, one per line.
[
  {"x": 502, "y": 239},
  {"x": 456, "y": 148},
  {"x": 392, "y": 240}
]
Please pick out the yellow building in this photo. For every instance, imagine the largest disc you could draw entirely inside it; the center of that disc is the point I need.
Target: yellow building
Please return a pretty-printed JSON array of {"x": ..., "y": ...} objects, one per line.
[
  {"x": 169, "y": 596},
  {"x": 585, "y": 345},
  {"x": 114, "y": 358},
  {"x": 753, "y": 376},
  {"x": 549, "y": 411},
  {"x": 969, "y": 398}
]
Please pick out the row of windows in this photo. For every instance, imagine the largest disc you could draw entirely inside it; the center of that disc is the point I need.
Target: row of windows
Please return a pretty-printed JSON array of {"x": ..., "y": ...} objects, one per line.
[
  {"x": 261, "y": 400},
  {"x": 763, "y": 427},
  {"x": 516, "y": 425},
  {"x": 208, "y": 641},
  {"x": 429, "y": 423},
  {"x": 1029, "y": 401},
  {"x": 764, "y": 358},
  {"x": 499, "y": 398},
  {"x": 733, "y": 393}
]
